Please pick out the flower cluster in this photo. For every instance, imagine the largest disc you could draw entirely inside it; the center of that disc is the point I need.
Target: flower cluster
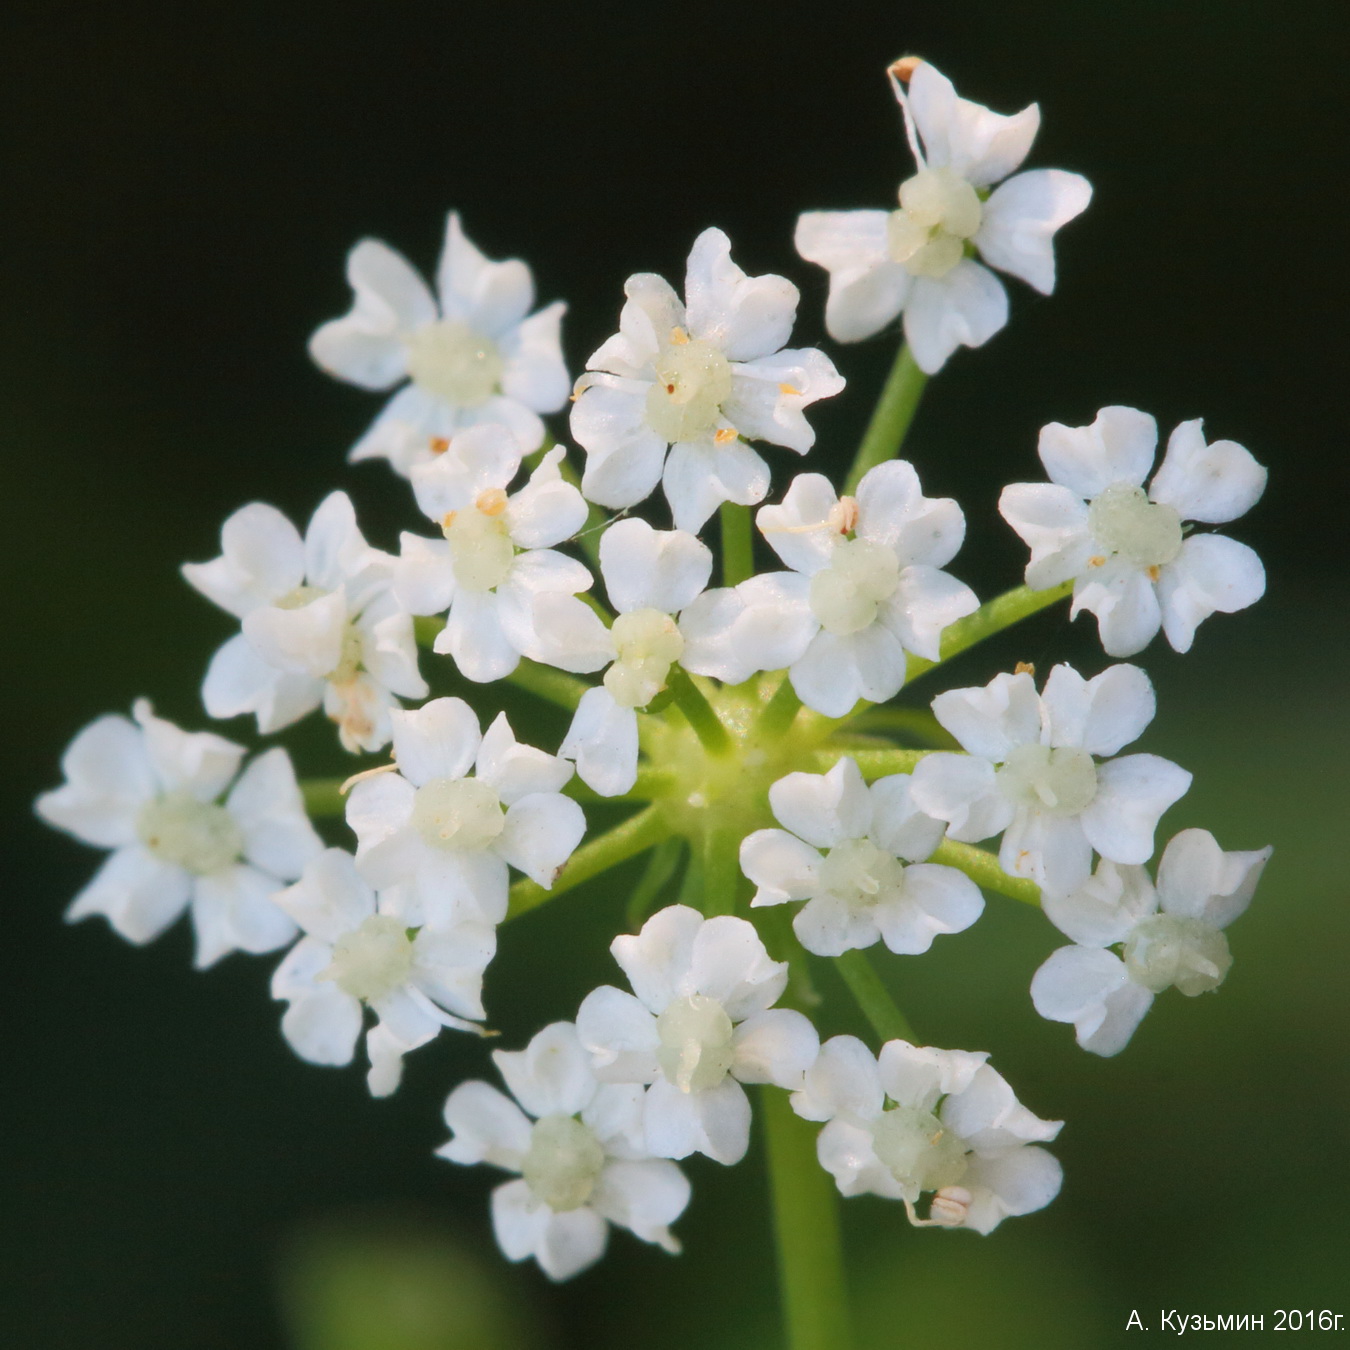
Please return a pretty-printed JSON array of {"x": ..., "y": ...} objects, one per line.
[{"x": 742, "y": 717}]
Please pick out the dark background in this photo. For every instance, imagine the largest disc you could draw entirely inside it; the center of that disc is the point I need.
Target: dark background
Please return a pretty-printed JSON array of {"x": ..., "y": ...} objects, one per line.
[{"x": 181, "y": 186}]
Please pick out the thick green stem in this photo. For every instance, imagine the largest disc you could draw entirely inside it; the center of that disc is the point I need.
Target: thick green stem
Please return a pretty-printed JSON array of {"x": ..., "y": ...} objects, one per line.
[
  {"x": 665, "y": 858},
  {"x": 323, "y": 796},
  {"x": 650, "y": 784},
  {"x": 890, "y": 419},
  {"x": 992, "y": 617},
  {"x": 983, "y": 869},
  {"x": 906, "y": 723},
  {"x": 872, "y": 996},
  {"x": 553, "y": 686},
  {"x": 812, "y": 1288},
  {"x": 721, "y": 867},
  {"x": 699, "y": 712},
  {"x": 738, "y": 544},
  {"x": 872, "y": 763},
  {"x": 780, "y": 711},
  {"x": 637, "y": 834}
]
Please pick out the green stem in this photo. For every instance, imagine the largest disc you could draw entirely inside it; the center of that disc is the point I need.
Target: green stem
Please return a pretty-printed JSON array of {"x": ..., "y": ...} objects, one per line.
[
  {"x": 872, "y": 996},
  {"x": 812, "y": 1288},
  {"x": 721, "y": 867},
  {"x": 738, "y": 544},
  {"x": 322, "y": 796},
  {"x": 873, "y": 763},
  {"x": 650, "y": 784},
  {"x": 698, "y": 711},
  {"x": 665, "y": 858},
  {"x": 983, "y": 869},
  {"x": 780, "y": 711},
  {"x": 553, "y": 686},
  {"x": 637, "y": 834},
  {"x": 915, "y": 723},
  {"x": 992, "y": 617},
  {"x": 890, "y": 419}
]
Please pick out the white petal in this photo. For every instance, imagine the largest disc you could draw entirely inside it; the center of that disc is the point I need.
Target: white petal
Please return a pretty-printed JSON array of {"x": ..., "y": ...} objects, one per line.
[
  {"x": 234, "y": 909},
  {"x": 898, "y": 825},
  {"x": 780, "y": 865},
  {"x": 552, "y": 1075},
  {"x": 474, "y": 636},
  {"x": 644, "y": 1196},
  {"x": 108, "y": 781},
  {"x": 238, "y": 680},
  {"x": 322, "y": 1023},
  {"x": 1099, "y": 715},
  {"x": 378, "y": 808},
  {"x": 331, "y": 898},
  {"x": 624, "y": 457},
  {"x": 1052, "y": 522},
  {"x": 961, "y": 790},
  {"x": 1117, "y": 448},
  {"x": 603, "y": 740},
  {"x": 493, "y": 296},
  {"x": 699, "y": 477},
  {"x": 1198, "y": 880},
  {"x": 620, "y": 1034},
  {"x": 438, "y": 740},
  {"x": 1104, "y": 909},
  {"x": 1020, "y": 1182},
  {"x": 262, "y": 557},
  {"x": 800, "y": 529},
  {"x": 1090, "y": 988},
  {"x": 516, "y": 770},
  {"x": 1053, "y": 851},
  {"x": 1020, "y": 219},
  {"x": 1210, "y": 483},
  {"x": 303, "y": 641},
  {"x": 829, "y": 926},
  {"x": 935, "y": 900},
  {"x": 546, "y": 510},
  {"x": 728, "y": 962},
  {"x": 987, "y": 1114},
  {"x": 570, "y": 633},
  {"x": 844, "y": 1150},
  {"x": 926, "y": 601},
  {"x": 194, "y": 761},
  {"x": 715, "y": 1121},
  {"x": 769, "y": 396},
  {"x": 828, "y": 676},
  {"x": 539, "y": 835},
  {"x": 1132, "y": 793},
  {"x": 533, "y": 370},
  {"x": 1124, "y": 599},
  {"x": 843, "y": 1080},
  {"x": 995, "y": 720},
  {"x": 744, "y": 316},
  {"x": 867, "y": 289},
  {"x": 448, "y": 966},
  {"x": 406, "y": 428},
  {"x": 270, "y": 812},
  {"x": 825, "y": 809},
  {"x": 892, "y": 510},
  {"x": 763, "y": 624},
  {"x": 652, "y": 569},
  {"x": 777, "y": 1046},
  {"x": 139, "y": 895},
  {"x": 658, "y": 958},
  {"x": 476, "y": 460},
  {"x": 917, "y": 1075},
  {"x": 964, "y": 308},
  {"x": 389, "y": 300},
  {"x": 487, "y": 1127},
  {"x": 1211, "y": 573}
]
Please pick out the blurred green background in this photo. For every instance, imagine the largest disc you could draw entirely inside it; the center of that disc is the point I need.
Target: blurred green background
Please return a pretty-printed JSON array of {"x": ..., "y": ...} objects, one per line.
[{"x": 181, "y": 186}]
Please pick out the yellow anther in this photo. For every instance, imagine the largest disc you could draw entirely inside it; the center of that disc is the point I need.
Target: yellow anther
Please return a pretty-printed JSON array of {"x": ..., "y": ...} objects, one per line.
[
  {"x": 903, "y": 69},
  {"x": 790, "y": 390},
  {"x": 1025, "y": 668},
  {"x": 439, "y": 445},
  {"x": 491, "y": 501},
  {"x": 1154, "y": 572},
  {"x": 678, "y": 336},
  {"x": 1097, "y": 560},
  {"x": 725, "y": 435},
  {"x": 843, "y": 515},
  {"x": 448, "y": 519}
]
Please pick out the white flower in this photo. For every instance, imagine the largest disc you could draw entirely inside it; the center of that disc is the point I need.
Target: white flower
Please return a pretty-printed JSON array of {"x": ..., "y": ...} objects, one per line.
[
  {"x": 1172, "y": 935},
  {"x": 921, "y": 257},
  {"x": 1030, "y": 772},
  {"x": 320, "y": 624},
  {"x": 865, "y": 589},
  {"x": 355, "y": 953},
  {"x": 443, "y": 839},
  {"x": 699, "y": 379},
  {"x": 701, "y": 1025},
  {"x": 578, "y": 1148},
  {"x": 473, "y": 358},
  {"x": 1127, "y": 549},
  {"x": 496, "y": 556},
  {"x": 650, "y": 575},
  {"x": 858, "y": 889},
  {"x": 150, "y": 792},
  {"x": 955, "y": 1130}
]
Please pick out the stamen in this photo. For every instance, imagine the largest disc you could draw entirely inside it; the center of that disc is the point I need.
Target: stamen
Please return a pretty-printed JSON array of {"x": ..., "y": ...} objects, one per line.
[
  {"x": 790, "y": 390},
  {"x": 678, "y": 336},
  {"x": 904, "y": 67},
  {"x": 439, "y": 445},
  {"x": 1025, "y": 668},
  {"x": 346, "y": 787},
  {"x": 491, "y": 501},
  {"x": 725, "y": 434}
]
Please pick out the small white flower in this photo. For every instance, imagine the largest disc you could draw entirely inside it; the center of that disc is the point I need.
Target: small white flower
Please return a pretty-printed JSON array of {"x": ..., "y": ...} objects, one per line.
[
  {"x": 320, "y": 624},
  {"x": 577, "y": 1146},
  {"x": 150, "y": 792},
  {"x": 921, "y": 257},
  {"x": 697, "y": 379},
  {"x": 442, "y": 839},
  {"x": 476, "y": 357},
  {"x": 1126, "y": 548},
  {"x": 701, "y": 1025},
  {"x": 352, "y": 953},
  {"x": 496, "y": 556},
  {"x": 867, "y": 586},
  {"x": 1030, "y": 772},
  {"x": 650, "y": 575},
  {"x": 1172, "y": 936},
  {"x": 955, "y": 1131},
  {"x": 858, "y": 890}
]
